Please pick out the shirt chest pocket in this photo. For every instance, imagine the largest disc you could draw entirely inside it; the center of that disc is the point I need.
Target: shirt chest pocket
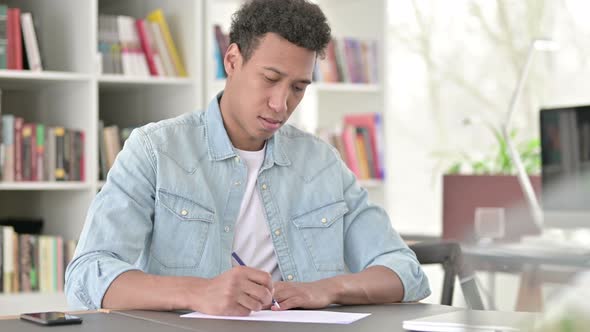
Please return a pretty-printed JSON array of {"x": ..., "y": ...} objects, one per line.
[
  {"x": 181, "y": 227},
  {"x": 323, "y": 234}
]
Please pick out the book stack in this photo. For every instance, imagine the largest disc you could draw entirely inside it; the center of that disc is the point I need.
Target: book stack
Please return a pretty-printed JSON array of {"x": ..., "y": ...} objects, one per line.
[
  {"x": 221, "y": 44},
  {"x": 138, "y": 47},
  {"x": 111, "y": 139},
  {"x": 36, "y": 152},
  {"x": 33, "y": 263},
  {"x": 349, "y": 60},
  {"x": 360, "y": 144},
  {"x": 19, "y": 48}
]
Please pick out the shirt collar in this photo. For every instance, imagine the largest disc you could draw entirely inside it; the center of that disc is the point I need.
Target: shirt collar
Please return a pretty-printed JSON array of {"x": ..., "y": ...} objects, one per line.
[{"x": 220, "y": 147}]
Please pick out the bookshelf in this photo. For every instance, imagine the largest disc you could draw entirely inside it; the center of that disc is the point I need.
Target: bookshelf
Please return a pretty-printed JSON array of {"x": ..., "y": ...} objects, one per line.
[
  {"x": 324, "y": 103},
  {"x": 71, "y": 93}
]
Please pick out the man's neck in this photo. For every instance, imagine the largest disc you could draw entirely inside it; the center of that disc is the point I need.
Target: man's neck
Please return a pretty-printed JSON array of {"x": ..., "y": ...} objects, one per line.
[{"x": 239, "y": 140}]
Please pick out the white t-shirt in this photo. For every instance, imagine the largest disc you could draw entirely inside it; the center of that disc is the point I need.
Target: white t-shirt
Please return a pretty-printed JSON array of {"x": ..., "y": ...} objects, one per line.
[{"x": 252, "y": 240}]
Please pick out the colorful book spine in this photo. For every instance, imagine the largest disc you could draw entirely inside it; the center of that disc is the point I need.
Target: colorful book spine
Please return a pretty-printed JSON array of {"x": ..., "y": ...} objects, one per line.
[
  {"x": 60, "y": 168},
  {"x": 30, "y": 41},
  {"x": 40, "y": 153},
  {"x": 18, "y": 148},
  {"x": 15, "y": 49},
  {"x": 3, "y": 36},
  {"x": 8, "y": 144},
  {"x": 157, "y": 16},
  {"x": 147, "y": 46}
]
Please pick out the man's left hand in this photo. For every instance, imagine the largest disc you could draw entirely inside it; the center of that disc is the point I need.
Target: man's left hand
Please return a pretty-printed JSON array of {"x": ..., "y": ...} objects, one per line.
[{"x": 307, "y": 295}]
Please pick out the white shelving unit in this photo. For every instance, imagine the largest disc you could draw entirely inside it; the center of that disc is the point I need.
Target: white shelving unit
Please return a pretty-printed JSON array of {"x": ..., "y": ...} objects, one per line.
[{"x": 71, "y": 93}]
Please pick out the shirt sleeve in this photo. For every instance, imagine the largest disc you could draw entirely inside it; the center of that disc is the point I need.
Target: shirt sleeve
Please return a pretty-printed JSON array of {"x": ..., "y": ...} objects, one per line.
[
  {"x": 370, "y": 240},
  {"x": 117, "y": 227}
]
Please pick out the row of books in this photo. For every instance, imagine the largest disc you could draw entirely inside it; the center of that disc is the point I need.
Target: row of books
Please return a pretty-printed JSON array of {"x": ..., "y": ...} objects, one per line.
[
  {"x": 349, "y": 60},
  {"x": 138, "y": 47},
  {"x": 360, "y": 144},
  {"x": 18, "y": 41},
  {"x": 221, "y": 39},
  {"x": 33, "y": 263},
  {"x": 111, "y": 139},
  {"x": 36, "y": 152}
]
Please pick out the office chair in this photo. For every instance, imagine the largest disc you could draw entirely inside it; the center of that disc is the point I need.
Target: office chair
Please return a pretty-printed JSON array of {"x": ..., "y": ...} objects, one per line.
[{"x": 449, "y": 255}]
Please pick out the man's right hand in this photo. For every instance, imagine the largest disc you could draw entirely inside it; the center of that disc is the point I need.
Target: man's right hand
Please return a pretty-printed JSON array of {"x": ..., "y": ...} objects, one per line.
[{"x": 236, "y": 292}]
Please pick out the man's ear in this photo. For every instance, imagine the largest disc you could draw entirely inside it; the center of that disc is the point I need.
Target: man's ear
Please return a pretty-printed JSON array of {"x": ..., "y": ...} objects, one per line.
[{"x": 232, "y": 59}]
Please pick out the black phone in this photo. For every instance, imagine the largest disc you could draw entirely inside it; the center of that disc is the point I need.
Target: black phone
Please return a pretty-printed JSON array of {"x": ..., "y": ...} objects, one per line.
[{"x": 51, "y": 318}]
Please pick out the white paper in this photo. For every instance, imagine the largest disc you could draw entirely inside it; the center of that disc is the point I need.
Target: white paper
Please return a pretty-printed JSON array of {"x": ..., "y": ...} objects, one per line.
[{"x": 293, "y": 316}]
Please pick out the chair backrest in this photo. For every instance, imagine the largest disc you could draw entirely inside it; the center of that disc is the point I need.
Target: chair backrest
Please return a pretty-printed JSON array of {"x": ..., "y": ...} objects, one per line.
[{"x": 449, "y": 255}]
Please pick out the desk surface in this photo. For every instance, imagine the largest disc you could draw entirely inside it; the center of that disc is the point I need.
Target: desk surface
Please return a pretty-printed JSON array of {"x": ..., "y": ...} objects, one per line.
[
  {"x": 384, "y": 318},
  {"x": 523, "y": 254}
]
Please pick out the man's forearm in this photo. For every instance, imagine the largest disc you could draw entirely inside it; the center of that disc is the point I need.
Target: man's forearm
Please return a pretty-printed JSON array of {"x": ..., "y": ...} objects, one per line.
[
  {"x": 376, "y": 284},
  {"x": 139, "y": 290}
]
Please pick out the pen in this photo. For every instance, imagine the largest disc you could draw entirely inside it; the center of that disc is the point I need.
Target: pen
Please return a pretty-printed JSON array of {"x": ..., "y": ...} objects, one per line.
[{"x": 241, "y": 262}]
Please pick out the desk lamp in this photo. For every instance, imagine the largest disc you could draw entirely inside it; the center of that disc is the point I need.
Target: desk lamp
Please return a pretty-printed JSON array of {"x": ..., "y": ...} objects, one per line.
[{"x": 523, "y": 179}]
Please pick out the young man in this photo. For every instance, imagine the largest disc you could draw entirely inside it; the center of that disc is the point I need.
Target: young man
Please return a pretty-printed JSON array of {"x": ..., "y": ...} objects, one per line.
[{"x": 187, "y": 192}]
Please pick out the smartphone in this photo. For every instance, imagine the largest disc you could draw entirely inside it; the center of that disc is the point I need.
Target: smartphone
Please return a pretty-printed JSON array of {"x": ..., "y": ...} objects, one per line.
[{"x": 51, "y": 318}]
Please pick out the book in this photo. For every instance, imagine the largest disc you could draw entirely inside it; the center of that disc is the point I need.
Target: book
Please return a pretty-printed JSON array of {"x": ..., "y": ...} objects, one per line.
[
  {"x": 60, "y": 147},
  {"x": 50, "y": 154},
  {"x": 15, "y": 53},
  {"x": 40, "y": 153},
  {"x": 30, "y": 41},
  {"x": 361, "y": 152},
  {"x": 102, "y": 157},
  {"x": 2, "y": 144},
  {"x": 112, "y": 144},
  {"x": 373, "y": 123},
  {"x": 349, "y": 143},
  {"x": 147, "y": 46},
  {"x": 8, "y": 258},
  {"x": 157, "y": 16},
  {"x": 8, "y": 144},
  {"x": 28, "y": 152},
  {"x": 156, "y": 33},
  {"x": 3, "y": 36},
  {"x": 18, "y": 148}
]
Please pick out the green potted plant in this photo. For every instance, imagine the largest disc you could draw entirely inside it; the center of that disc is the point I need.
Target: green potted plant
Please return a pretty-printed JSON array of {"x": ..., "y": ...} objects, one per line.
[{"x": 489, "y": 181}]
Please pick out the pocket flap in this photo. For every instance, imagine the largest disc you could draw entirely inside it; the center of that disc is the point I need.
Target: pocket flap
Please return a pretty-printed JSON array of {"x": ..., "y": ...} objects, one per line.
[
  {"x": 322, "y": 217},
  {"x": 184, "y": 208}
]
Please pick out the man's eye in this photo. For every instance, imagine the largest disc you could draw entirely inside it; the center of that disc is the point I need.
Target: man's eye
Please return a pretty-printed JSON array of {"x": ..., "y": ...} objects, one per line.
[{"x": 270, "y": 79}]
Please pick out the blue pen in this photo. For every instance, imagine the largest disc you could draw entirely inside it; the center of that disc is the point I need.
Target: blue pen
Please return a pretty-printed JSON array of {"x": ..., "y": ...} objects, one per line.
[{"x": 241, "y": 262}]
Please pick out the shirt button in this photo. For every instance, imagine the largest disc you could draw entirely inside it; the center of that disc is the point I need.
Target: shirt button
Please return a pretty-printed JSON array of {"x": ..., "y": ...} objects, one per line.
[
  {"x": 237, "y": 159},
  {"x": 264, "y": 186},
  {"x": 226, "y": 229},
  {"x": 237, "y": 183},
  {"x": 184, "y": 212},
  {"x": 290, "y": 277},
  {"x": 278, "y": 232},
  {"x": 324, "y": 220}
]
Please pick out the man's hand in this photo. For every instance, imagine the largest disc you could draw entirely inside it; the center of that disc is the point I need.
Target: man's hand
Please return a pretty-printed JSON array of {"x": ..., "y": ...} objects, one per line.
[
  {"x": 308, "y": 295},
  {"x": 236, "y": 292}
]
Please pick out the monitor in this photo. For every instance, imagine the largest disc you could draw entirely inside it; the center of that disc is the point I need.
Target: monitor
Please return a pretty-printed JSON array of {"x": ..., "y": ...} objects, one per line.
[{"x": 565, "y": 172}]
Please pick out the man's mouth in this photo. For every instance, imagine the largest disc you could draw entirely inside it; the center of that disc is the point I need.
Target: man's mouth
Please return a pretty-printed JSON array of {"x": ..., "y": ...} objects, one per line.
[{"x": 270, "y": 123}]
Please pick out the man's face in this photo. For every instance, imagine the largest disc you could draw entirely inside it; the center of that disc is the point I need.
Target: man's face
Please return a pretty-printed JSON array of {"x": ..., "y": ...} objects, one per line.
[{"x": 264, "y": 91}]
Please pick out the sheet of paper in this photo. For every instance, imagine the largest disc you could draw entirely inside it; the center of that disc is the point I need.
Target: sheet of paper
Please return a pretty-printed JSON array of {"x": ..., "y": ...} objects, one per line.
[{"x": 294, "y": 316}]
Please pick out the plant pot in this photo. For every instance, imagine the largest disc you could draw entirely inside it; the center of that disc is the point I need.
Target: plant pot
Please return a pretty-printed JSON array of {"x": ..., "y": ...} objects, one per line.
[{"x": 464, "y": 194}]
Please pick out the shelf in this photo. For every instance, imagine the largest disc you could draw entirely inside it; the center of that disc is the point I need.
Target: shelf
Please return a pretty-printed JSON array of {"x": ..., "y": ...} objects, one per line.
[
  {"x": 120, "y": 81},
  {"x": 43, "y": 186},
  {"x": 28, "y": 79},
  {"x": 372, "y": 183},
  {"x": 17, "y": 303}
]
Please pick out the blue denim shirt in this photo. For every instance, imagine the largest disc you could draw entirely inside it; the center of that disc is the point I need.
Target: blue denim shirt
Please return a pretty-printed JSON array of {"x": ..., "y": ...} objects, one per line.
[{"x": 173, "y": 195}]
